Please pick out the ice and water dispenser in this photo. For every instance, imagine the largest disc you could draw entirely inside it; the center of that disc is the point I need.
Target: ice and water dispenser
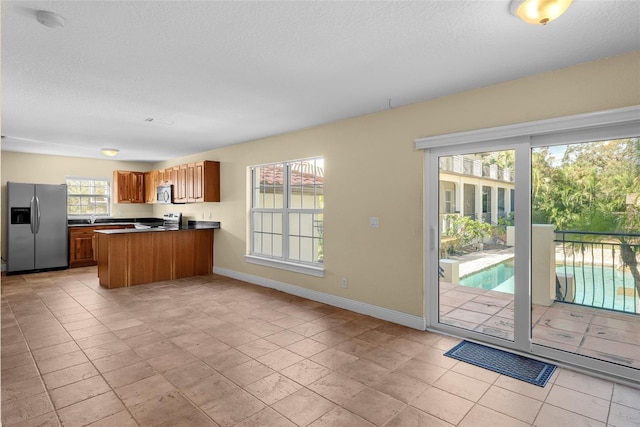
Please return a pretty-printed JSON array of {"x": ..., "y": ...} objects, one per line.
[{"x": 20, "y": 215}]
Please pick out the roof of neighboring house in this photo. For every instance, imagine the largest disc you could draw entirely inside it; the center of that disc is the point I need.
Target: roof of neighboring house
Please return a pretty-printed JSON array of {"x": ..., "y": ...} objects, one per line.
[{"x": 275, "y": 176}]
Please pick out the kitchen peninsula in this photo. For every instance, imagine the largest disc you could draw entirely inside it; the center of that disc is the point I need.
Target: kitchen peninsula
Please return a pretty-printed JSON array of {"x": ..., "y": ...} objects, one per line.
[{"x": 128, "y": 257}]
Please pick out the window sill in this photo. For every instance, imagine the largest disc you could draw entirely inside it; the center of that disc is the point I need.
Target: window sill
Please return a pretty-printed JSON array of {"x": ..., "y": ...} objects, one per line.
[{"x": 283, "y": 265}]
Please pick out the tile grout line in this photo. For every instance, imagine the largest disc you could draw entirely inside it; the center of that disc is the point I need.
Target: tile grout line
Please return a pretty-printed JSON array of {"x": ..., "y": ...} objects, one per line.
[
  {"x": 44, "y": 386},
  {"x": 89, "y": 359}
]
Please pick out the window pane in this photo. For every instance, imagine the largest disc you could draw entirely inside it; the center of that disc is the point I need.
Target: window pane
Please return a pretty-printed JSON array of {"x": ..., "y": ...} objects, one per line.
[
  {"x": 88, "y": 196},
  {"x": 306, "y": 225},
  {"x": 266, "y": 222},
  {"x": 318, "y": 225},
  {"x": 277, "y": 223},
  {"x": 257, "y": 221},
  {"x": 267, "y": 247},
  {"x": 277, "y": 245},
  {"x": 257, "y": 243},
  {"x": 294, "y": 224},
  {"x": 270, "y": 186},
  {"x": 318, "y": 250},
  {"x": 306, "y": 249},
  {"x": 294, "y": 248},
  {"x": 296, "y": 197}
]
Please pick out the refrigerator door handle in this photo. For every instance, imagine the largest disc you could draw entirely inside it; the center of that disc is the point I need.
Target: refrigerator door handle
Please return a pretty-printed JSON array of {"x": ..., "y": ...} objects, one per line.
[
  {"x": 38, "y": 215},
  {"x": 32, "y": 219}
]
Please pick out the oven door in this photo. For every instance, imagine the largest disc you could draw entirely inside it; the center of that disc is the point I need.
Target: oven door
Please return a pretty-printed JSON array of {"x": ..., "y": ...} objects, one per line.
[{"x": 164, "y": 194}]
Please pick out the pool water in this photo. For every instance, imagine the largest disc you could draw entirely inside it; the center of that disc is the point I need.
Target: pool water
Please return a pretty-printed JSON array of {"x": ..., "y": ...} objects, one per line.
[
  {"x": 492, "y": 277},
  {"x": 613, "y": 289}
]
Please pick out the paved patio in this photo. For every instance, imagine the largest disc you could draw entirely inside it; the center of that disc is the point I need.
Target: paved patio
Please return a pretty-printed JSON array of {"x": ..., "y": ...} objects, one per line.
[{"x": 602, "y": 334}]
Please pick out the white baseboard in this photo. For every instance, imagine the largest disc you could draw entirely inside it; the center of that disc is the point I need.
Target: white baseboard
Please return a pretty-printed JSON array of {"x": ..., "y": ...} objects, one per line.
[{"x": 409, "y": 320}]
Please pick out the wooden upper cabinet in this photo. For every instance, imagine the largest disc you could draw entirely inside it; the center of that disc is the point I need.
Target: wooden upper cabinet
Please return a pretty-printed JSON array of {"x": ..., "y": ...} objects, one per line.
[
  {"x": 151, "y": 181},
  {"x": 167, "y": 176},
  {"x": 128, "y": 187},
  {"x": 192, "y": 183},
  {"x": 180, "y": 184},
  {"x": 205, "y": 181}
]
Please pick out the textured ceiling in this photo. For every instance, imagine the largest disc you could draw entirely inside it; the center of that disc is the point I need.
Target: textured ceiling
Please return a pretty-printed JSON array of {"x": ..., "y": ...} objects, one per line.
[{"x": 217, "y": 73}]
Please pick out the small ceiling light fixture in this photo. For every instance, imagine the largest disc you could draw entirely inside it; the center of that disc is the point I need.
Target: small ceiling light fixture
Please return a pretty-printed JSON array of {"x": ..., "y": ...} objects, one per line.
[
  {"x": 110, "y": 152},
  {"x": 50, "y": 19},
  {"x": 539, "y": 11}
]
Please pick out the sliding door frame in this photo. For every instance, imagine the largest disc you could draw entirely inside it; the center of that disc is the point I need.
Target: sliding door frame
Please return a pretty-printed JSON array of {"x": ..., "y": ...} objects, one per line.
[
  {"x": 609, "y": 124},
  {"x": 522, "y": 310}
]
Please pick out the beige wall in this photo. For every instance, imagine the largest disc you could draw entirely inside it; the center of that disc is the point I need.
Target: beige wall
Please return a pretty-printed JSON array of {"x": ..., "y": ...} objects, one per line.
[{"x": 373, "y": 169}]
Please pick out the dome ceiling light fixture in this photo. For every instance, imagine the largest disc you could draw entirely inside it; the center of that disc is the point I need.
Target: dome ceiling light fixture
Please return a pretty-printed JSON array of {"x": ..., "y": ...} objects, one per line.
[
  {"x": 110, "y": 152},
  {"x": 539, "y": 12},
  {"x": 50, "y": 19}
]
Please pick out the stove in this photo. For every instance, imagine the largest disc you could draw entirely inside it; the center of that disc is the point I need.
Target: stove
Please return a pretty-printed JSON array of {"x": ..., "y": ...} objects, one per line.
[{"x": 172, "y": 221}]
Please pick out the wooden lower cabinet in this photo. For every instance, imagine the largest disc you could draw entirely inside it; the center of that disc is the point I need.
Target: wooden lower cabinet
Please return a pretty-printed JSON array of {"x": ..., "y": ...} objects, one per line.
[
  {"x": 128, "y": 259},
  {"x": 82, "y": 245},
  {"x": 80, "y": 248}
]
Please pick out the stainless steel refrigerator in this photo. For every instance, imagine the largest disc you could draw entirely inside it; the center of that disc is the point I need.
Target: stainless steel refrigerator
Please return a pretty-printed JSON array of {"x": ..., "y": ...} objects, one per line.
[{"x": 37, "y": 237}]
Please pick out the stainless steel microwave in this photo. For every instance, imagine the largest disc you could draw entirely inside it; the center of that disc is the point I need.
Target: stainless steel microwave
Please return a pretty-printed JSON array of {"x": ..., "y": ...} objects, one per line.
[{"x": 164, "y": 193}]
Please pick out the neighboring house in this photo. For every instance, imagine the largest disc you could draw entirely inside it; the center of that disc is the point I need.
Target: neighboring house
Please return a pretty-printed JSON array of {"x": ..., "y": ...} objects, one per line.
[{"x": 473, "y": 188}]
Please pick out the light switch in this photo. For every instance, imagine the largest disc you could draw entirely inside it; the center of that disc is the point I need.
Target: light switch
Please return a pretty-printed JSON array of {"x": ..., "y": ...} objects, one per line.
[{"x": 374, "y": 222}]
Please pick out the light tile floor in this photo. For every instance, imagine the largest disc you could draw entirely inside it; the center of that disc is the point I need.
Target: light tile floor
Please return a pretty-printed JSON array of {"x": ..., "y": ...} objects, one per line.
[
  {"x": 210, "y": 351},
  {"x": 602, "y": 334}
]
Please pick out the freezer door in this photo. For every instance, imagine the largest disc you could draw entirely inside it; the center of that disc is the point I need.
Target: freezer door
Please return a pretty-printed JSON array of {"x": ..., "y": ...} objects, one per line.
[
  {"x": 52, "y": 239},
  {"x": 20, "y": 239}
]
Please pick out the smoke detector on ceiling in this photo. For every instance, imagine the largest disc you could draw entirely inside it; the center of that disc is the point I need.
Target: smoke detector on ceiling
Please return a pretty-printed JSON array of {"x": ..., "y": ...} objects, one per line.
[
  {"x": 49, "y": 19},
  {"x": 158, "y": 121}
]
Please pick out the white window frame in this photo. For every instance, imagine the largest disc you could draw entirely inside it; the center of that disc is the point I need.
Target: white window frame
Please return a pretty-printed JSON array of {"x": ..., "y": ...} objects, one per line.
[
  {"x": 284, "y": 262},
  {"x": 107, "y": 195}
]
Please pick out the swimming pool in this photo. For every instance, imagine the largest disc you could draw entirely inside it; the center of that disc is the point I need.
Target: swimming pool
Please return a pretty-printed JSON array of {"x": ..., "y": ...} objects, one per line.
[
  {"x": 606, "y": 288},
  {"x": 492, "y": 277}
]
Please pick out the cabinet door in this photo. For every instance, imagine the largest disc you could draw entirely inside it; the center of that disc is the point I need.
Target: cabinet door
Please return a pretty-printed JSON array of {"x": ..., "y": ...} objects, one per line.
[
  {"x": 191, "y": 183},
  {"x": 80, "y": 247},
  {"x": 128, "y": 187},
  {"x": 209, "y": 186},
  {"x": 137, "y": 187},
  {"x": 150, "y": 184},
  {"x": 198, "y": 182},
  {"x": 180, "y": 188},
  {"x": 171, "y": 176},
  {"x": 121, "y": 187}
]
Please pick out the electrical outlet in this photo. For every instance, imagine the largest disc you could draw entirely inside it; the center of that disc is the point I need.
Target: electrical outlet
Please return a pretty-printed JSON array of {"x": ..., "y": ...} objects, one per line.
[
  {"x": 374, "y": 222},
  {"x": 202, "y": 215},
  {"x": 210, "y": 215},
  {"x": 344, "y": 282}
]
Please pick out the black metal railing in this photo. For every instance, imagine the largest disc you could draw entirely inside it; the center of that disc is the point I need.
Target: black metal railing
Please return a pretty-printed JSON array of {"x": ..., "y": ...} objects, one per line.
[{"x": 598, "y": 269}]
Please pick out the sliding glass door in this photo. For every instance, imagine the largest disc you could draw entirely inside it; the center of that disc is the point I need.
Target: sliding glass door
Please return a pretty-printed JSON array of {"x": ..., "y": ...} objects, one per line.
[
  {"x": 533, "y": 244},
  {"x": 585, "y": 204},
  {"x": 473, "y": 221}
]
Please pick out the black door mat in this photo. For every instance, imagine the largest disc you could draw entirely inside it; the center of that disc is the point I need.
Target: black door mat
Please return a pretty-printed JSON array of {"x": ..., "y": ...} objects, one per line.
[{"x": 513, "y": 365}]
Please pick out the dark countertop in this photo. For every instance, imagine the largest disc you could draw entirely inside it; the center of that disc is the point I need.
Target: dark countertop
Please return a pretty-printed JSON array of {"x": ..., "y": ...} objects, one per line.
[{"x": 192, "y": 225}]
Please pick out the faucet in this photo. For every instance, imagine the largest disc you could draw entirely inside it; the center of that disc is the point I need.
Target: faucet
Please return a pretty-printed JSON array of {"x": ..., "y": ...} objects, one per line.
[{"x": 93, "y": 219}]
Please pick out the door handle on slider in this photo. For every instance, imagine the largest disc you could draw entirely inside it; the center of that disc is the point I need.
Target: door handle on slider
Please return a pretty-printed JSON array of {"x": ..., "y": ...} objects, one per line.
[{"x": 432, "y": 238}]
